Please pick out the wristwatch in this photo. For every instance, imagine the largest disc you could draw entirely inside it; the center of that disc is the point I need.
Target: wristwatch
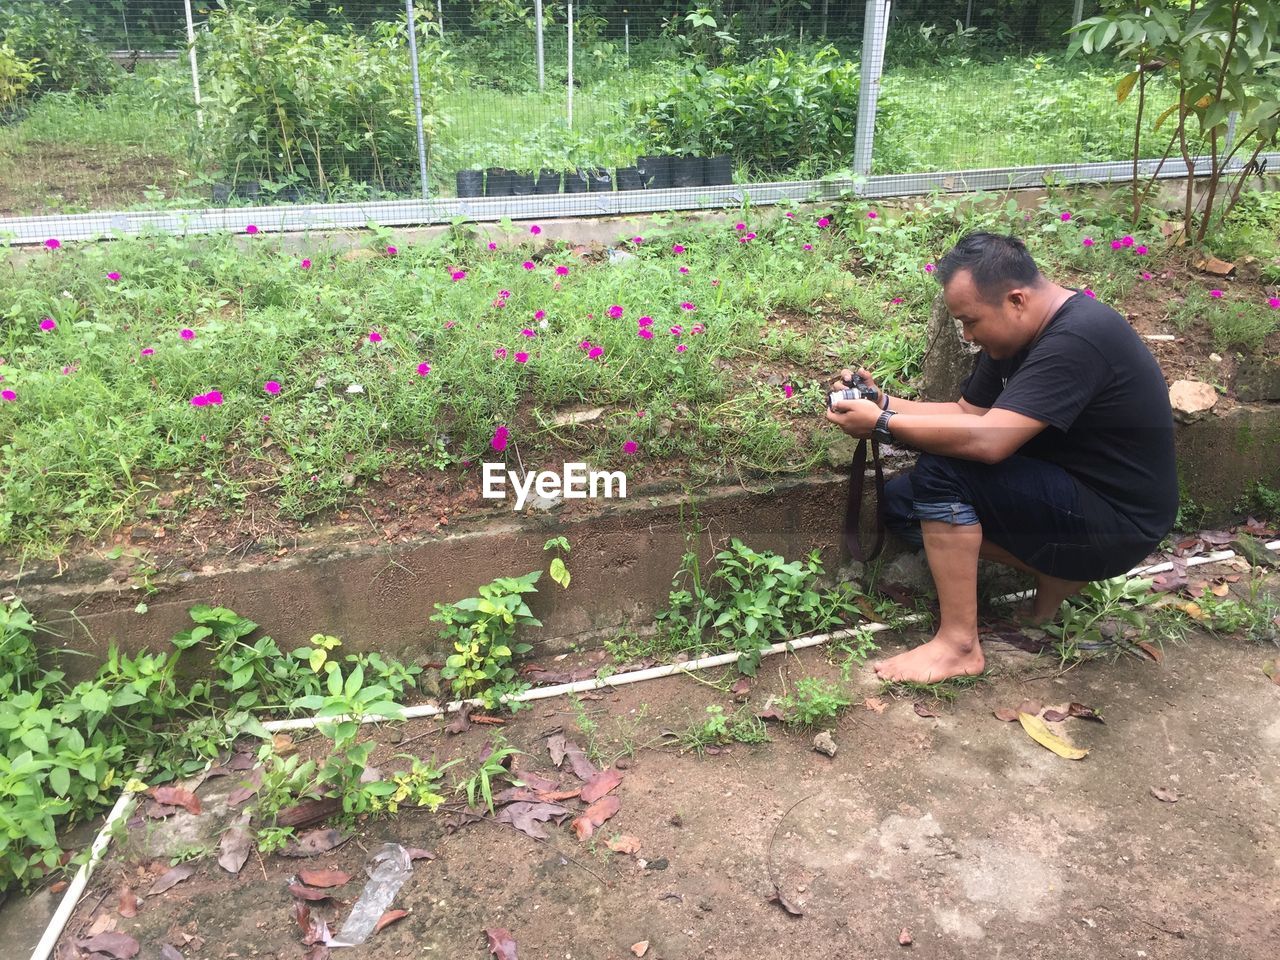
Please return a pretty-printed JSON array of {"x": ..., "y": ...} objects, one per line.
[{"x": 881, "y": 432}]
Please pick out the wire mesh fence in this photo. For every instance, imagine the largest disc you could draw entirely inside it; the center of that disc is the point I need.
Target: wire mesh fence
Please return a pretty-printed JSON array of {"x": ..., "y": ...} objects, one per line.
[{"x": 156, "y": 104}]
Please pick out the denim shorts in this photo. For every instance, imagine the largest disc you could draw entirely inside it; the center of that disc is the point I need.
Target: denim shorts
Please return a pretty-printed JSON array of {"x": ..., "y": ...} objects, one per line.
[{"x": 1034, "y": 509}]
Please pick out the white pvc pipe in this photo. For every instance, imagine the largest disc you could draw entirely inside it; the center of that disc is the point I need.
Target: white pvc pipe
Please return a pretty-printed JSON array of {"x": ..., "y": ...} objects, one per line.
[{"x": 569, "y": 95}]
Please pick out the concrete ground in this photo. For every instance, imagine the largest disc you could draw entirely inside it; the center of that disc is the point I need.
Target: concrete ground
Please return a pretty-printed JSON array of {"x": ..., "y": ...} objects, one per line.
[{"x": 956, "y": 828}]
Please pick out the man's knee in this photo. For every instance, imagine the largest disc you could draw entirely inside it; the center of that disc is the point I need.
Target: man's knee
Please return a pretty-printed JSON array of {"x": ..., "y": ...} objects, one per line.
[{"x": 938, "y": 479}]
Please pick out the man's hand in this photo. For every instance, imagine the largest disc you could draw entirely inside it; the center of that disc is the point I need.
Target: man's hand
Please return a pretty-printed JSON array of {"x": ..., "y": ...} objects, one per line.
[
  {"x": 846, "y": 377},
  {"x": 857, "y": 418}
]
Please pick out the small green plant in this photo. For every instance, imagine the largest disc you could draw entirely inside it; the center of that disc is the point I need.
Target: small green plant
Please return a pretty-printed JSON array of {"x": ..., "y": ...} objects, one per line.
[
  {"x": 814, "y": 702},
  {"x": 711, "y": 731},
  {"x": 483, "y": 631},
  {"x": 492, "y": 767},
  {"x": 1098, "y": 617},
  {"x": 851, "y": 652},
  {"x": 417, "y": 786}
]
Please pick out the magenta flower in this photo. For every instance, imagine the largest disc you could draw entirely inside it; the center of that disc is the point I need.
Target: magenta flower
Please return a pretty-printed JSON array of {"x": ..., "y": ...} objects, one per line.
[
  {"x": 528, "y": 264},
  {"x": 504, "y": 294},
  {"x": 808, "y": 246},
  {"x": 539, "y": 314},
  {"x": 681, "y": 347},
  {"x": 53, "y": 244},
  {"x": 1116, "y": 244},
  {"x": 147, "y": 351},
  {"x": 272, "y": 387},
  {"x": 214, "y": 397},
  {"x": 500, "y": 353},
  {"x": 677, "y": 330},
  {"x": 1140, "y": 251},
  {"x": 630, "y": 447},
  {"x": 929, "y": 268},
  {"x": 456, "y": 275},
  {"x": 677, "y": 248},
  {"x": 1216, "y": 294},
  {"x": 615, "y": 312},
  {"x": 113, "y": 277},
  {"x": 535, "y": 229},
  {"x": 424, "y": 369},
  {"x": 492, "y": 245},
  {"x": 1087, "y": 241},
  {"x": 187, "y": 333},
  {"x": 684, "y": 269},
  {"x": 739, "y": 227},
  {"x": 750, "y": 236},
  {"x": 251, "y": 229},
  {"x": 1145, "y": 275},
  {"x": 595, "y": 353},
  {"x": 392, "y": 251},
  {"x": 375, "y": 336},
  {"x": 824, "y": 222},
  {"x": 585, "y": 345},
  {"x": 8, "y": 396},
  {"x": 787, "y": 390},
  {"x": 499, "y": 441},
  {"x": 48, "y": 323},
  {"x": 696, "y": 329},
  {"x": 871, "y": 215},
  {"x": 715, "y": 283},
  {"x": 637, "y": 240},
  {"x": 646, "y": 321},
  {"x": 688, "y": 306},
  {"x": 305, "y": 265},
  {"x": 522, "y": 357},
  {"x": 1274, "y": 303},
  {"x": 200, "y": 400},
  {"x": 1090, "y": 293},
  {"x": 1066, "y": 215},
  {"x": 896, "y": 300},
  {"x": 450, "y": 324},
  {"x": 644, "y": 333},
  {"x": 526, "y": 332},
  {"x": 1126, "y": 241},
  {"x": 790, "y": 215},
  {"x": 562, "y": 271}
]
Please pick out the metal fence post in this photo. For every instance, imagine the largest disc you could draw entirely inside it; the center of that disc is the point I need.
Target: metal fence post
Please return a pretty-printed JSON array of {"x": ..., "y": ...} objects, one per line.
[
  {"x": 417, "y": 98},
  {"x": 195, "y": 74},
  {"x": 440, "y": 16},
  {"x": 537, "y": 14},
  {"x": 874, "y": 31},
  {"x": 1078, "y": 13},
  {"x": 570, "y": 101}
]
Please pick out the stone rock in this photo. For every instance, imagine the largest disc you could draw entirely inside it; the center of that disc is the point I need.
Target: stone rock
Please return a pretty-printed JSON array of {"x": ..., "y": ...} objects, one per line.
[
  {"x": 544, "y": 504},
  {"x": 825, "y": 744},
  {"x": 1191, "y": 399},
  {"x": 840, "y": 453},
  {"x": 910, "y": 570},
  {"x": 570, "y": 417},
  {"x": 948, "y": 359},
  {"x": 620, "y": 256},
  {"x": 1257, "y": 379}
]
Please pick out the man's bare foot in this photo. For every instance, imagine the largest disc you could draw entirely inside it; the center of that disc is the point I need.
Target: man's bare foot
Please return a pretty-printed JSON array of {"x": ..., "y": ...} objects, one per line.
[{"x": 939, "y": 659}]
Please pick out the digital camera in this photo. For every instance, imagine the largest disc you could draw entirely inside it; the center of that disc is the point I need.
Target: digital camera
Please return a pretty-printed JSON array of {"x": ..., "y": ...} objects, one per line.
[{"x": 855, "y": 388}]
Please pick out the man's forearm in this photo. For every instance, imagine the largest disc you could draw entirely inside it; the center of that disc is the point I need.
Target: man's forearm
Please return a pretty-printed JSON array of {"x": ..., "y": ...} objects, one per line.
[
  {"x": 960, "y": 435},
  {"x": 926, "y": 408}
]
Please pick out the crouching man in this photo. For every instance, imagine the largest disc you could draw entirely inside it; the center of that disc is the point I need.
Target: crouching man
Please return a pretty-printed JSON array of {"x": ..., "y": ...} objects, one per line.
[{"x": 1057, "y": 459}]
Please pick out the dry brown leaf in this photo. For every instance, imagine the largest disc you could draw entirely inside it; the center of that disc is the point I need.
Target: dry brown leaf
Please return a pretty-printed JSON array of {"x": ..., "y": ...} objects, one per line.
[
  {"x": 599, "y": 785},
  {"x": 118, "y": 945},
  {"x": 1219, "y": 268},
  {"x": 595, "y": 816},
  {"x": 1055, "y": 716},
  {"x": 283, "y": 744},
  {"x": 641, "y": 948},
  {"x": 500, "y": 943},
  {"x": 418, "y": 853},
  {"x": 177, "y": 797},
  {"x": 128, "y": 902},
  {"x": 1039, "y": 731},
  {"x": 924, "y": 711},
  {"x": 388, "y": 918},
  {"x": 904, "y": 938},
  {"x": 1166, "y": 794},
  {"x": 1084, "y": 713},
  {"x": 740, "y": 690},
  {"x": 525, "y": 816},
  {"x": 1220, "y": 589},
  {"x": 303, "y": 892},
  {"x": 323, "y": 878},
  {"x": 785, "y": 904},
  {"x": 1005, "y": 714},
  {"x": 625, "y": 844},
  {"x": 172, "y": 878},
  {"x": 874, "y": 704},
  {"x": 169, "y": 952},
  {"x": 235, "y": 845},
  {"x": 313, "y": 842},
  {"x": 491, "y": 721},
  {"x": 1032, "y": 707},
  {"x": 1151, "y": 650},
  {"x": 559, "y": 796}
]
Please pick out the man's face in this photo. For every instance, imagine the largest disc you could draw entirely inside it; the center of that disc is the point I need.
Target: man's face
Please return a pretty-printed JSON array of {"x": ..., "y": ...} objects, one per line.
[{"x": 997, "y": 328}]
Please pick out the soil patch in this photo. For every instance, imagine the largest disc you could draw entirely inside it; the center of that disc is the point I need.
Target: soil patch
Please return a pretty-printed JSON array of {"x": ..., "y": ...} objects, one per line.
[{"x": 55, "y": 176}]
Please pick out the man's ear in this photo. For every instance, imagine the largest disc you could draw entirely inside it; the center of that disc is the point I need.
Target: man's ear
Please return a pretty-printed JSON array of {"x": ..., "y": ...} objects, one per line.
[{"x": 1017, "y": 298}]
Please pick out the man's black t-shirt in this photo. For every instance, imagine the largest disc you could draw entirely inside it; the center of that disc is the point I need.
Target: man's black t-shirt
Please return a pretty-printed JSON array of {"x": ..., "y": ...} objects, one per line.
[{"x": 1093, "y": 380}]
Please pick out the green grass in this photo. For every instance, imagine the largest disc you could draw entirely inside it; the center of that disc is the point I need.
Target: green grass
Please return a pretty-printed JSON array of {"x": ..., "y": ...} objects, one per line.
[{"x": 945, "y": 690}]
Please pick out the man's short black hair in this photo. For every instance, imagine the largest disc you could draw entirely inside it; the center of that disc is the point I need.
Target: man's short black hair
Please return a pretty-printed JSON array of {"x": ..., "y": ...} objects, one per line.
[{"x": 997, "y": 264}]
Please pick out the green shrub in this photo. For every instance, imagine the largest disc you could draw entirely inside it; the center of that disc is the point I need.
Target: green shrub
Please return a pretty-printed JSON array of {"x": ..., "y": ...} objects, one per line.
[
  {"x": 483, "y": 631},
  {"x": 66, "y": 56},
  {"x": 288, "y": 101},
  {"x": 16, "y": 75},
  {"x": 773, "y": 113}
]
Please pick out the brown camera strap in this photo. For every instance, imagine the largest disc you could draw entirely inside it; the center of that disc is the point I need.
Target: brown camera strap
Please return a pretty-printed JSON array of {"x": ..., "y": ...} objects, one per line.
[{"x": 853, "y": 508}]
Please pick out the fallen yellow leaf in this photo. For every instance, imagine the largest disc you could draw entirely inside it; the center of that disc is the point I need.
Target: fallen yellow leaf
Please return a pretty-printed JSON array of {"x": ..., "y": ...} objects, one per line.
[
  {"x": 1039, "y": 731},
  {"x": 1192, "y": 610}
]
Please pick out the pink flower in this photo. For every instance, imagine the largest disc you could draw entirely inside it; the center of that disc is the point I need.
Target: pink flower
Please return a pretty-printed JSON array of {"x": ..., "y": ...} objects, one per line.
[
  {"x": 1216, "y": 294},
  {"x": 392, "y": 251},
  {"x": 456, "y": 275},
  {"x": 1066, "y": 215},
  {"x": 305, "y": 265},
  {"x": 630, "y": 447},
  {"x": 526, "y": 332},
  {"x": 1140, "y": 251},
  {"x": 522, "y": 357},
  {"x": 677, "y": 330},
  {"x": 535, "y": 229},
  {"x": 492, "y": 245},
  {"x": 689, "y": 306},
  {"x": 896, "y": 300},
  {"x": 215, "y": 398},
  {"x": 1116, "y": 244},
  {"x": 739, "y": 227},
  {"x": 790, "y": 215},
  {"x": 1089, "y": 293},
  {"x": 871, "y": 215},
  {"x": 147, "y": 351},
  {"x": 615, "y": 312},
  {"x": 646, "y": 321},
  {"x": 644, "y": 333},
  {"x": 696, "y": 329},
  {"x": 53, "y": 244},
  {"x": 808, "y": 246},
  {"x": 272, "y": 387},
  {"x": 251, "y": 229},
  {"x": 450, "y": 324},
  {"x": 787, "y": 390},
  {"x": 684, "y": 269},
  {"x": 637, "y": 240},
  {"x": 48, "y": 323},
  {"x": 375, "y": 336},
  {"x": 187, "y": 333},
  {"x": 595, "y": 352},
  {"x": 749, "y": 236},
  {"x": 266, "y": 418},
  {"x": 200, "y": 400},
  {"x": 681, "y": 347},
  {"x": 585, "y": 345},
  {"x": 504, "y": 294},
  {"x": 528, "y": 264},
  {"x": 1087, "y": 242},
  {"x": 677, "y": 248},
  {"x": 1126, "y": 241},
  {"x": 113, "y": 277},
  {"x": 500, "y": 353},
  {"x": 539, "y": 314},
  {"x": 8, "y": 396},
  {"x": 499, "y": 441},
  {"x": 824, "y": 222},
  {"x": 929, "y": 268},
  {"x": 562, "y": 271},
  {"x": 67, "y": 371},
  {"x": 424, "y": 369},
  {"x": 1145, "y": 275},
  {"x": 1274, "y": 303}
]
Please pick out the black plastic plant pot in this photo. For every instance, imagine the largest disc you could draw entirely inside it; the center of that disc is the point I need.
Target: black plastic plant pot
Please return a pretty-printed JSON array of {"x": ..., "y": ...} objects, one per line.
[
  {"x": 289, "y": 194},
  {"x": 497, "y": 182},
  {"x": 470, "y": 183},
  {"x": 548, "y": 181},
  {"x": 522, "y": 184},
  {"x": 718, "y": 171},
  {"x": 629, "y": 179},
  {"x": 248, "y": 189},
  {"x": 575, "y": 181},
  {"x": 222, "y": 192},
  {"x": 686, "y": 171},
  {"x": 655, "y": 172},
  {"x": 601, "y": 181}
]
